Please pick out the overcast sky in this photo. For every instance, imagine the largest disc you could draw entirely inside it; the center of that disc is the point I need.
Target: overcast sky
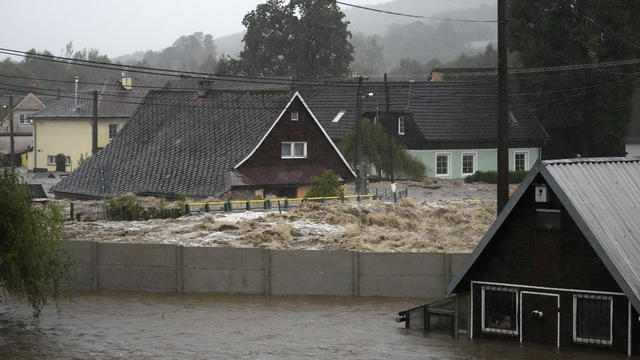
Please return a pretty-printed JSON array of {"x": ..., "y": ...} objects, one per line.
[{"x": 118, "y": 27}]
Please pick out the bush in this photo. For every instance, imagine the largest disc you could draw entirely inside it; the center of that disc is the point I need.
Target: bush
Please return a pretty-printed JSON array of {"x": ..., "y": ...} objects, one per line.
[
  {"x": 127, "y": 208},
  {"x": 491, "y": 177},
  {"x": 32, "y": 262},
  {"x": 61, "y": 162},
  {"x": 327, "y": 184}
]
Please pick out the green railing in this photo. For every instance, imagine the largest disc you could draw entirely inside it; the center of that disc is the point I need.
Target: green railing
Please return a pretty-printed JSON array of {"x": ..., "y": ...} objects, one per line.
[{"x": 264, "y": 205}]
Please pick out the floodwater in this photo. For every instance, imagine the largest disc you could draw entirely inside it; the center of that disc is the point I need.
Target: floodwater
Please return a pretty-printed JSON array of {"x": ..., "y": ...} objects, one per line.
[{"x": 131, "y": 325}]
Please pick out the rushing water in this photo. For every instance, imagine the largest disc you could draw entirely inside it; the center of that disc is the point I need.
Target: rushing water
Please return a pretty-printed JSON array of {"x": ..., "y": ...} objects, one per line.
[{"x": 130, "y": 325}]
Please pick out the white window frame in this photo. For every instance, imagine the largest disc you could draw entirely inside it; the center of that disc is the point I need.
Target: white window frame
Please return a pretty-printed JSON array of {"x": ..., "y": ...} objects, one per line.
[
  {"x": 526, "y": 159},
  {"x": 109, "y": 130},
  {"x": 475, "y": 162},
  {"x": 67, "y": 160},
  {"x": 580, "y": 340},
  {"x": 294, "y": 116},
  {"x": 516, "y": 318},
  {"x": 401, "y": 125},
  {"x": 435, "y": 169},
  {"x": 292, "y": 145}
]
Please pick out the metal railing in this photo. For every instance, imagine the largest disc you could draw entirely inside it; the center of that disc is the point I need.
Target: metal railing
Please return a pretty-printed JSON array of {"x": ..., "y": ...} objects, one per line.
[{"x": 266, "y": 204}]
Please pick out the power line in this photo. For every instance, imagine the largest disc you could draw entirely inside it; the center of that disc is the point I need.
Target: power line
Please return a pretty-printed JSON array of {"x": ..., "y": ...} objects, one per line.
[
  {"x": 412, "y": 15},
  {"x": 603, "y": 27}
]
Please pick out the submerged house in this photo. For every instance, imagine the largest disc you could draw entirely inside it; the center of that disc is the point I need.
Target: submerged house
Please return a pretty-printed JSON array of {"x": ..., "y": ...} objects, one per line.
[
  {"x": 212, "y": 143},
  {"x": 561, "y": 263},
  {"x": 450, "y": 126}
]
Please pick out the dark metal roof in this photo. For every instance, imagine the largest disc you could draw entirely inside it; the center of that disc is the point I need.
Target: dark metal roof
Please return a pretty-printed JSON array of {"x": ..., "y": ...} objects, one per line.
[
  {"x": 456, "y": 113},
  {"x": 113, "y": 101},
  {"x": 229, "y": 83},
  {"x": 178, "y": 144},
  {"x": 602, "y": 195}
]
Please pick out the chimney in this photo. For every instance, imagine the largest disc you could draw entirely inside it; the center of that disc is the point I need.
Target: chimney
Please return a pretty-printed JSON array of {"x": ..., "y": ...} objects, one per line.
[
  {"x": 76, "y": 95},
  {"x": 204, "y": 86},
  {"x": 437, "y": 75},
  {"x": 126, "y": 81}
]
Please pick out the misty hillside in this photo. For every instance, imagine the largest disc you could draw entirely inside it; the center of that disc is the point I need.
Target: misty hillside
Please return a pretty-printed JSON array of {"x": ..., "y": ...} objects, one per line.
[{"x": 388, "y": 38}]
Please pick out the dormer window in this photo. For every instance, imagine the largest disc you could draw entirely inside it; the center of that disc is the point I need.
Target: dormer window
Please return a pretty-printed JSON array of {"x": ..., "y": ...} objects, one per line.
[
  {"x": 294, "y": 116},
  {"x": 401, "y": 125}
]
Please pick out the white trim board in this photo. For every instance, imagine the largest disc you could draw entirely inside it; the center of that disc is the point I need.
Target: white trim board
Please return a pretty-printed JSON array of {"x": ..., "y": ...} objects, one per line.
[{"x": 297, "y": 95}]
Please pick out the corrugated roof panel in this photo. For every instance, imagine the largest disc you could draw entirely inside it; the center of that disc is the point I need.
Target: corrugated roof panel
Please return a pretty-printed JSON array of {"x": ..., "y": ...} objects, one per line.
[{"x": 605, "y": 193}]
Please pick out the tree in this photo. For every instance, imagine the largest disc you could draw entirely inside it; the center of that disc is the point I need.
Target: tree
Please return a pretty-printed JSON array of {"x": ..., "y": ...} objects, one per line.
[
  {"x": 305, "y": 39},
  {"x": 327, "y": 184},
  {"x": 32, "y": 262},
  {"x": 61, "y": 162},
  {"x": 593, "y": 119},
  {"x": 375, "y": 147},
  {"x": 368, "y": 57}
]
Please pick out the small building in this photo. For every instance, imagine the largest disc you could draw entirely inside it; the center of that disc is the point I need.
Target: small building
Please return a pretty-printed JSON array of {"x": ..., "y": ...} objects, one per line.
[
  {"x": 212, "y": 143},
  {"x": 561, "y": 263},
  {"x": 65, "y": 127},
  {"x": 450, "y": 126},
  {"x": 23, "y": 109}
]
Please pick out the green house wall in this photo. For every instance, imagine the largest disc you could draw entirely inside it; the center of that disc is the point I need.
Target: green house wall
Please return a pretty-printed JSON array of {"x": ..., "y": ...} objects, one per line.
[{"x": 486, "y": 159}]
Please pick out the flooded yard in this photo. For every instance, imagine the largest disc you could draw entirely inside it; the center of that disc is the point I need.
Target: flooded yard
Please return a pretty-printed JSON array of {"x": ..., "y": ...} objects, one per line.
[{"x": 127, "y": 325}]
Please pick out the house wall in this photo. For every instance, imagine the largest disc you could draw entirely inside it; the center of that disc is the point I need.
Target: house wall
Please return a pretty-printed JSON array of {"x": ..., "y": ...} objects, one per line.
[
  {"x": 486, "y": 159},
  {"x": 319, "y": 149},
  {"x": 71, "y": 137},
  {"x": 523, "y": 254}
]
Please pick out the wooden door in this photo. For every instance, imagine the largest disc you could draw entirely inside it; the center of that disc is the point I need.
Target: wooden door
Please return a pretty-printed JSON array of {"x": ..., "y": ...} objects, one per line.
[{"x": 540, "y": 318}]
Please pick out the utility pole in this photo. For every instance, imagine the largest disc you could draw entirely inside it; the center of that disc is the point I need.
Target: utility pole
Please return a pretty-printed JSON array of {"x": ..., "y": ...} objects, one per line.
[
  {"x": 358, "y": 135},
  {"x": 12, "y": 154},
  {"x": 388, "y": 119},
  {"x": 94, "y": 124},
  {"x": 503, "y": 108}
]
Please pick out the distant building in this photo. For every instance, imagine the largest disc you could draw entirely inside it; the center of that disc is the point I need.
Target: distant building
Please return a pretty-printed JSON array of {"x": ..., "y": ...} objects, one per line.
[
  {"x": 561, "y": 263},
  {"x": 23, "y": 109},
  {"x": 65, "y": 127},
  {"x": 212, "y": 143},
  {"x": 450, "y": 126}
]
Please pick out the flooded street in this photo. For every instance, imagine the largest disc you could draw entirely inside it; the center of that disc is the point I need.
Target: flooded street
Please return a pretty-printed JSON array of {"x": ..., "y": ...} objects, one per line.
[{"x": 130, "y": 325}]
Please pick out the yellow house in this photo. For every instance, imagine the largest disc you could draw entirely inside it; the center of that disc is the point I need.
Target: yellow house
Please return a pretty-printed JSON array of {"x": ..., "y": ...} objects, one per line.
[{"x": 66, "y": 126}]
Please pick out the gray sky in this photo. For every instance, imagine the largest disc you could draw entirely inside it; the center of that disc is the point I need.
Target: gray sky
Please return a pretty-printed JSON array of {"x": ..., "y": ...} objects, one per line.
[{"x": 118, "y": 27}]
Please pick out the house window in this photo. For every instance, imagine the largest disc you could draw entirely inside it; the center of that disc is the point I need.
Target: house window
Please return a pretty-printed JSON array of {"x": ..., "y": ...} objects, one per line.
[
  {"x": 294, "y": 150},
  {"x": 468, "y": 163},
  {"x": 593, "y": 319},
  {"x": 401, "y": 125},
  {"x": 442, "y": 164},
  {"x": 339, "y": 116},
  {"x": 113, "y": 131},
  {"x": 23, "y": 119},
  {"x": 51, "y": 160},
  {"x": 294, "y": 116},
  {"x": 499, "y": 310},
  {"x": 521, "y": 161}
]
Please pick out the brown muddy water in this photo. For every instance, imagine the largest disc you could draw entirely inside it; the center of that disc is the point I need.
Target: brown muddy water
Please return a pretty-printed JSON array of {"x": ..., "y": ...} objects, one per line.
[{"x": 127, "y": 325}]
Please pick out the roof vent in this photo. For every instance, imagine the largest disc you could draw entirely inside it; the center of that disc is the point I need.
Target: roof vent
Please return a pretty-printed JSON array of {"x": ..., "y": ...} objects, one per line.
[{"x": 339, "y": 116}]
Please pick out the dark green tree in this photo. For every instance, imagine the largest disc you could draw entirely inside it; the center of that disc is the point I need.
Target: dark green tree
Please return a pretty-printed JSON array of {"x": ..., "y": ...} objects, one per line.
[
  {"x": 32, "y": 263},
  {"x": 592, "y": 121},
  {"x": 375, "y": 148},
  {"x": 304, "y": 38},
  {"x": 327, "y": 184}
]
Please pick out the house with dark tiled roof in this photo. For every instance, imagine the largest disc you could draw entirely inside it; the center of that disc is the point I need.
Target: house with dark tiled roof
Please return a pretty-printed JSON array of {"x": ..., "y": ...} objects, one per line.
[
  {"x": 450, "y": 126},
  {"x": 66, "y": 126},
  {"x": 212, "y": 143}
]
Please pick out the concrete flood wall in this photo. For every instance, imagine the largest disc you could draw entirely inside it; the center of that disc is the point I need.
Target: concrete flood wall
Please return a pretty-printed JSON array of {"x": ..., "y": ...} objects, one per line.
[{"x": 174, "y": 268}]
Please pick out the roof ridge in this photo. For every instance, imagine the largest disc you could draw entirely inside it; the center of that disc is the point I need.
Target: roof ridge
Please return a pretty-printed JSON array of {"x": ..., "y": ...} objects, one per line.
[{"x": 581, "y": 160}]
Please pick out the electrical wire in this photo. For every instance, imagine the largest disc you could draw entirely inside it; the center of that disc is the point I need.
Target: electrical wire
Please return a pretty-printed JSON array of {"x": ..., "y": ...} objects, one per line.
[{"x": 412, "y": 15}]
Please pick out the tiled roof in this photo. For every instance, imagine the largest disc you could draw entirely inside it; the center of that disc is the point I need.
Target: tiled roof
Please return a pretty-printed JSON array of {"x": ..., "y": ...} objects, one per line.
[
  {"x": 178, "y": 144},
  {"x": 230, "y": 83},
  {"x": 447, "y": 113},
  {"x": 113, "y": 101}
]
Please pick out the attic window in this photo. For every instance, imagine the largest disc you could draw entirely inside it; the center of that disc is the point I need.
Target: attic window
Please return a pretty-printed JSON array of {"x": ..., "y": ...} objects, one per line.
[
  {"x": 339, "y": 116},
  {"x": 401, "y": 125},
  {"x": 294, "y": 116}
]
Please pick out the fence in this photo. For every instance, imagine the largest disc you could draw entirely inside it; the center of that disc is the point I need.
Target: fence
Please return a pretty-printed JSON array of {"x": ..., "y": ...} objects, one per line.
[
  {"x": 265, "y": 205},
  {"x": 172, "y": 268}
]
